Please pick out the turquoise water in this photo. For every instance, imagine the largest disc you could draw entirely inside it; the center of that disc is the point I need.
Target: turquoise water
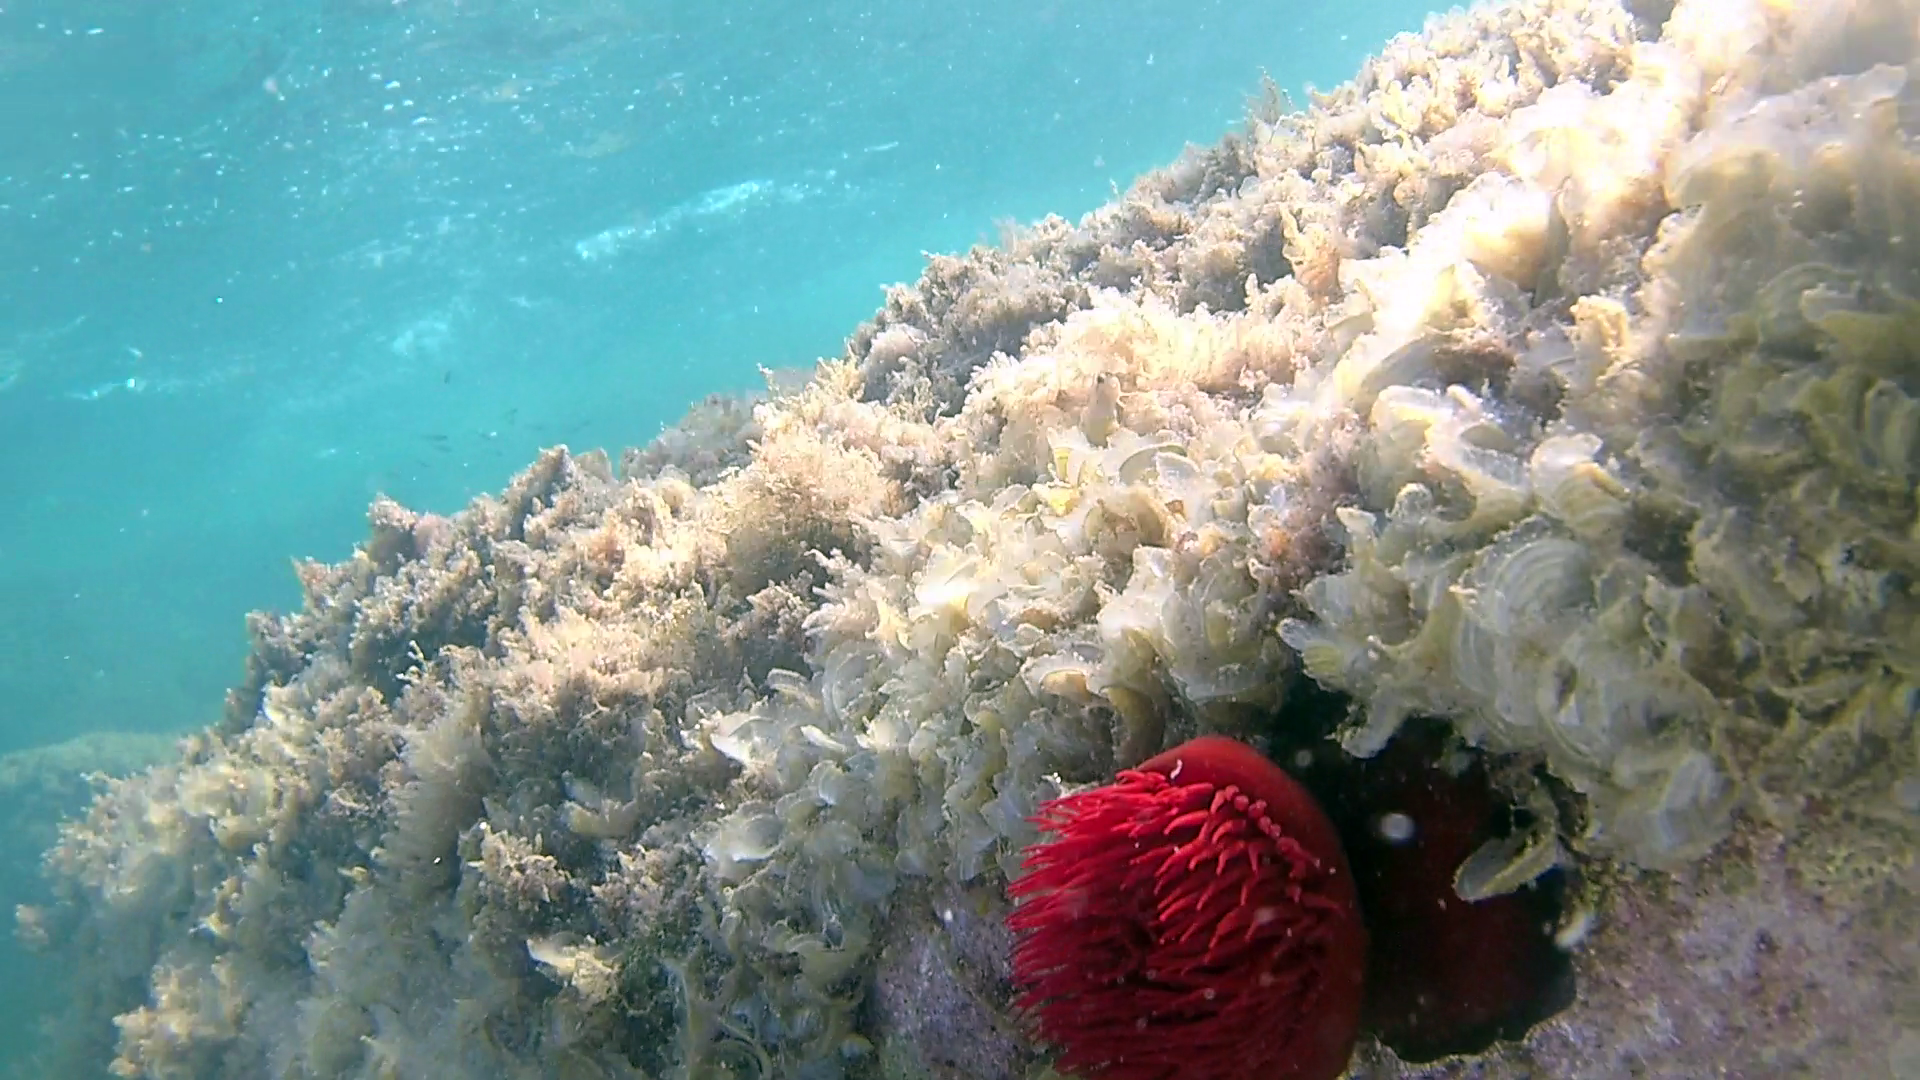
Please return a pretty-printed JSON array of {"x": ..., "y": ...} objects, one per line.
[{"x": 264, "y": 262}]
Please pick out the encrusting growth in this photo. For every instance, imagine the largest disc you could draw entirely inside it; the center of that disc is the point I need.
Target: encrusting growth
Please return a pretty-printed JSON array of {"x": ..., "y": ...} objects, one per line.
[
  {"x": 1554, "y": 384},
  {"x": 1194, "y": 920}
]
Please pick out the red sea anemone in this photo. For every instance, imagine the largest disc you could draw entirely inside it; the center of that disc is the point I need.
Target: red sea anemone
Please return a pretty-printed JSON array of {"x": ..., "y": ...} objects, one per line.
[{"x": 1194, "y": 920}]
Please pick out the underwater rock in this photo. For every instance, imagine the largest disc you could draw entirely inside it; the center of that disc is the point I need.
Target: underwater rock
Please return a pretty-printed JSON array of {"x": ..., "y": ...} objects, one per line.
[
  {"x": 937, "y": 1007},
  {"x": 1553, "y": 380}
]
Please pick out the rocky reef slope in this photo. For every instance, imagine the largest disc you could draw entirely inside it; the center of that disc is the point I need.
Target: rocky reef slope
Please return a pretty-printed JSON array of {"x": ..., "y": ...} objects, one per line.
[{"x": 1558, "y": 378}]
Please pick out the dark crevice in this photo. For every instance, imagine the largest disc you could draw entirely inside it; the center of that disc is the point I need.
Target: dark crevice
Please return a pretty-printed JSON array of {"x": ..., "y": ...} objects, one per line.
[{"x": 1445, "y": 976}]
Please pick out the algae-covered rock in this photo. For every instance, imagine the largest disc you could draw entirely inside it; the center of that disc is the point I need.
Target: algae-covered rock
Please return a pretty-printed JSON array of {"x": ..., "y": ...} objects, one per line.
[{"x": 1555, "y": 379}]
